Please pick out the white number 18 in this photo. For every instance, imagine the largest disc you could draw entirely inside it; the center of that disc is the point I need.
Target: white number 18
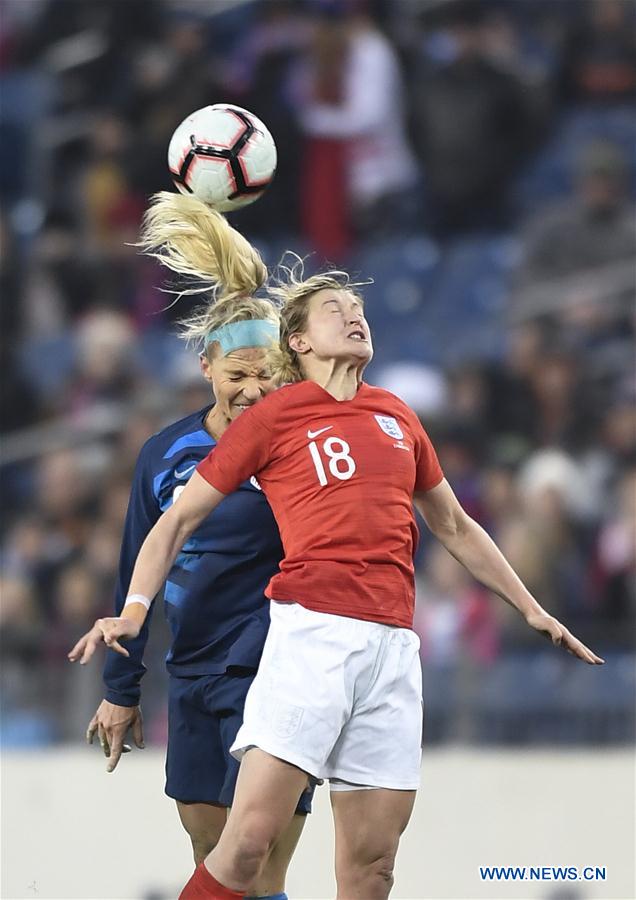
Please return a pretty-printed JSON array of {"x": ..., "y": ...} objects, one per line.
[{"x": 338, "y": 452}]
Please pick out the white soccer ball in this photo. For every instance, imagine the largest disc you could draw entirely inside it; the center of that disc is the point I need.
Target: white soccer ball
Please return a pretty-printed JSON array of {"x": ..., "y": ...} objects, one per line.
[{"x": 223, "y": 155}]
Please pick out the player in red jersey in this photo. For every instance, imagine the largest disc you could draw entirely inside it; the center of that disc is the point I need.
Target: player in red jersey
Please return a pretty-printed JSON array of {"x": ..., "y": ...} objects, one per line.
[{"x": 338, "y": 692}]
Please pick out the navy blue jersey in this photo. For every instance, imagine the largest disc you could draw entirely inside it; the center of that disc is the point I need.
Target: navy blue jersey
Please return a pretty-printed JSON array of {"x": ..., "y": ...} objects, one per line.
[{"x": 214, "y": 595}]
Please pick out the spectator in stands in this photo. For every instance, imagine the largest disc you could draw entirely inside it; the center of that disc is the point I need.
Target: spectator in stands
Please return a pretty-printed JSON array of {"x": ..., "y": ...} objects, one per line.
[
  {"x": 30, "y": 555},
  {"x": 577, "y": 265},
  {"x": 512, "y": 410},
  {"x": 19, "y": 405},
  {"x": 500, "y": 498},
  {"x": 91, "y": 46},
  {"x": 78, "y": 597},
  {"x": 617, "y": 432},
  {"x": 260, "y": 77},
  {"x": 351, "y": 110},
  {"x": 77, "y": 600},
  {"x": 64, "y": 498},
  {"x": 599, "y": 56},
  {"x": 106, "y": 364},
  {"x": 459, "y": 447},
  {"x": 22, "y": 643},
  {"x": 171, "y": 78},
  {"x": 616, "y": 551},
  {"x": 593, "y": 229},
  {"x": 543, "y": 540},
  {"x": 454, "y": 617},
  {"x": 561, "y": 412},
  {"x": 61, "y": 283},
  {"x": 472, "y": 127}
]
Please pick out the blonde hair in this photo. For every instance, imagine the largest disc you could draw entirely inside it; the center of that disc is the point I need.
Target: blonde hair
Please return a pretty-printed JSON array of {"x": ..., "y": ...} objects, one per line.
[
  {"x": 192, "y": 239},
  {"x": 292, "y": 292}
]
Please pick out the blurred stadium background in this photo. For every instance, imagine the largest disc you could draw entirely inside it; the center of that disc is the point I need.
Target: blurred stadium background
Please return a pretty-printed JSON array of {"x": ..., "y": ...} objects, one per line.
[{"x": 478, "y": 161}]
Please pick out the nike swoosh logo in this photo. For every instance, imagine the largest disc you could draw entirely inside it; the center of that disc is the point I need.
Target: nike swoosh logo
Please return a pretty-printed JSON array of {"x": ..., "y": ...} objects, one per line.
[
  {"x": 313, "y": 434},
  {"x": 185, "y": 471}
]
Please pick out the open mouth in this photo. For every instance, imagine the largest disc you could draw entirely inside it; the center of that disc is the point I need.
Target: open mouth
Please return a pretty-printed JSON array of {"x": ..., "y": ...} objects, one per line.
[
  {"x": 357, "y": 335},
  {"x": 243, "y": 406}
]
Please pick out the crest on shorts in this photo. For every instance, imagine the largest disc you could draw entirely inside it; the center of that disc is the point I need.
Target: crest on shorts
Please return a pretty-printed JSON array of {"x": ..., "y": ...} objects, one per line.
[
  {"x": 287, "y": 719},
  {"x": 389, "y": 426}
]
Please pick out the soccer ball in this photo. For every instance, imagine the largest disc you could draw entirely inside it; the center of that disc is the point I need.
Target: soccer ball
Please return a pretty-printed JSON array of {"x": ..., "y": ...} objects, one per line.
[{"x": 223, "y": 155}]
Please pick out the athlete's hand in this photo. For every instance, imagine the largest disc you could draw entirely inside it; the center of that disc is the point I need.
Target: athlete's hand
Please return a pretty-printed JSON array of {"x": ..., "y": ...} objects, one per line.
[
  {"x": 107, "y": 630},
  {"x": 552, "y": 629},
  {"x": 111, "y": 723}
]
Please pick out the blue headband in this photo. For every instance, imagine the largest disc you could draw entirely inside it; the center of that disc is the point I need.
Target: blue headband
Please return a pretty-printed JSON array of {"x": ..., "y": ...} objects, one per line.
[{"x": 248, "y": 333}]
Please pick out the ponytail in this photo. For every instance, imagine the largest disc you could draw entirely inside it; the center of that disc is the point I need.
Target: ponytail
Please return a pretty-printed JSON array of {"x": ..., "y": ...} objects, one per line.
[{"x": 194, "y": 240}]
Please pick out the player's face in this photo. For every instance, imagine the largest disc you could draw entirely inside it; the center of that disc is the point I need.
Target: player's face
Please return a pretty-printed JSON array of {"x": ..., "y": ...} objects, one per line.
[
  {"x": 336, "y": 327},
  {"x": 238, "y": 380}
]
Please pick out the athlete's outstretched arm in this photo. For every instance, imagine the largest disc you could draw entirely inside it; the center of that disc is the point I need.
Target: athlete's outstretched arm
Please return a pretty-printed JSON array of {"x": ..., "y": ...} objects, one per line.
[
  {"x": 158, "y": 553},
  {"x": 119, "y": 712},
  {"x": 476, "y": 551}
]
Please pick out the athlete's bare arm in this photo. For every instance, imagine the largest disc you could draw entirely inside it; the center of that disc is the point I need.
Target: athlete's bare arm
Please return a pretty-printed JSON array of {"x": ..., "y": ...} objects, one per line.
[
  {"x": 158, "y": 553},
  {"x": 476, "y": 551}
]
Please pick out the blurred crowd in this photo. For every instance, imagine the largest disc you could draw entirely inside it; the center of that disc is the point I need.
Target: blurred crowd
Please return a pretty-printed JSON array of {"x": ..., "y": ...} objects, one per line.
[{"x": 474, "y": 157}]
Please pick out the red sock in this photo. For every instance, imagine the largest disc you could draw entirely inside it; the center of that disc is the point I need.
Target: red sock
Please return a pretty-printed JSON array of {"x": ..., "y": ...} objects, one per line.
[{"x": 204, "y": 886}]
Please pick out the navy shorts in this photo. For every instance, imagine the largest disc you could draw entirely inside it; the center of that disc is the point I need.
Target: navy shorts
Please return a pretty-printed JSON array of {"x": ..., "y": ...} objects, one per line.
[{"x": 204, "y": 715}]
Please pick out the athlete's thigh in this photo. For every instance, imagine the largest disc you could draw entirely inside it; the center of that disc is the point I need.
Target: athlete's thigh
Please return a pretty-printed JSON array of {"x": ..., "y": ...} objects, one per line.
[
  {"x": 368, "y": 823},
  {"x": 229, "y": 696},
  {"x": 267, "y": 792},
  {"x": 195, "y": 761}
]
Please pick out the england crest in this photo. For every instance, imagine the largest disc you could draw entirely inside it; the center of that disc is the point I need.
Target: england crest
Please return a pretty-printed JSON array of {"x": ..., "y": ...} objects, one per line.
[
  {"x": 287, "y": 719},
  {"x": 389, "y": 426}
]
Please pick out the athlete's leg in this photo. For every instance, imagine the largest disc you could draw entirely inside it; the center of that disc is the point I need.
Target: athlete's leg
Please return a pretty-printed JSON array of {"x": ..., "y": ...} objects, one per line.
[
  {"x": 195, "y": 764},
  {"x": 266, "y": 796},
  {"x": 204, "y": 823},
  {"x": 271, "y": 881},
  {"x": 368, "y": 825}
]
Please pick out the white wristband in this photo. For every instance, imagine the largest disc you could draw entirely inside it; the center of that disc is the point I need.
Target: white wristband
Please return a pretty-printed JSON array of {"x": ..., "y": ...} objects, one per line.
[{"x": 138, "y": 598}]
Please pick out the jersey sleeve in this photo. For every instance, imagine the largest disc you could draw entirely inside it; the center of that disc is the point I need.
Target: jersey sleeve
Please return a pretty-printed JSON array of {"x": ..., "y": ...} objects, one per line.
[
  {"x": 122, "y": 675},
  {"x": 243, "y": 449},
  {"x": 428, "y": 470}
]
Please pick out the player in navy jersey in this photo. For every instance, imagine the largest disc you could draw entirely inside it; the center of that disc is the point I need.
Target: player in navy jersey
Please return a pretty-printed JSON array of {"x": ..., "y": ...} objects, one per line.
[
  {"x": 214, "y": 593},
  {"x": 338, "y": 692}
]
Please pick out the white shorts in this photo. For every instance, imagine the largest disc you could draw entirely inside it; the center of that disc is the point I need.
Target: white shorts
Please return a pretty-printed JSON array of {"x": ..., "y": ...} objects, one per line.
[{"x": 340, "y": 698}]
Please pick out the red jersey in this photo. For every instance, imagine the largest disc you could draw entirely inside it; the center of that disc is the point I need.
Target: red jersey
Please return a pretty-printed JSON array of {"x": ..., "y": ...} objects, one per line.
[{"x": 339, "y": 476}]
